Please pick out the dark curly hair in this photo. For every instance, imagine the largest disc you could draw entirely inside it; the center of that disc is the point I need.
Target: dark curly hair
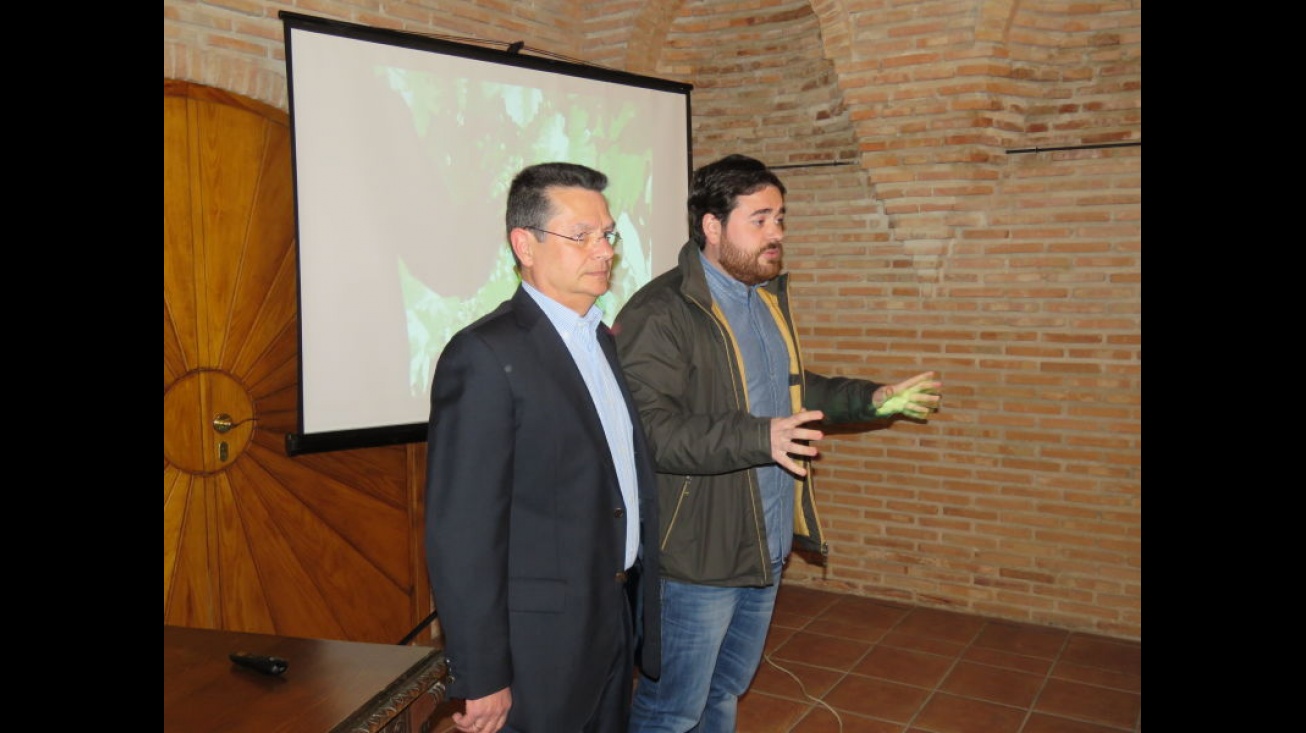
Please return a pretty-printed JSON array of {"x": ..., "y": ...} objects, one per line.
[{"x": 717, "y": 186}]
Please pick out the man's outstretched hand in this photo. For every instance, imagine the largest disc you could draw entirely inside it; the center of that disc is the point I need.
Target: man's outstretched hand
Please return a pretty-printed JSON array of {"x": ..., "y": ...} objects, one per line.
[{"x": 916, "y": 397}]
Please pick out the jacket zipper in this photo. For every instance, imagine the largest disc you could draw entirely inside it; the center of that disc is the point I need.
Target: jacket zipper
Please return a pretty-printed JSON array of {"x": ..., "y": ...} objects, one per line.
[{"x": 680, "y": 502}]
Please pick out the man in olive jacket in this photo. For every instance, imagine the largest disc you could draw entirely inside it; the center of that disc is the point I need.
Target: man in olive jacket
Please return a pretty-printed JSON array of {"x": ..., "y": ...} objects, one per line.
[{"x": 711, "y": 355}]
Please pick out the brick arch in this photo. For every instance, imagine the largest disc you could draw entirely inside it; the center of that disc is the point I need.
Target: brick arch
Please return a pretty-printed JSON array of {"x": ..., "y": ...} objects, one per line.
[
  {"x": 922, "y": 232},
  {"x": 836, "y": 29},
  {"x": 994, "y": 19},
  {"x": 648, "y": 35},
  {"x": 854, "y": 226}
]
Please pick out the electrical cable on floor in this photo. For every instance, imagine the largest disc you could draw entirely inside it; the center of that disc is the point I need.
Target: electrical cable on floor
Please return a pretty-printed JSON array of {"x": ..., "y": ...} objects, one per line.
[{"x": 818, "y": 701}]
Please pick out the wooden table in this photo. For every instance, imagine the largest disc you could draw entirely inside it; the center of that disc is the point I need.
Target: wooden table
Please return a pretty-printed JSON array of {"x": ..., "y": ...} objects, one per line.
[{"x": 328, "y": 686}]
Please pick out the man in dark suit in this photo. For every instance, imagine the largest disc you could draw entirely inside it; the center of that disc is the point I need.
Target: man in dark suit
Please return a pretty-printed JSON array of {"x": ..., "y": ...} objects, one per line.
[{"x": 538, "y": 482}]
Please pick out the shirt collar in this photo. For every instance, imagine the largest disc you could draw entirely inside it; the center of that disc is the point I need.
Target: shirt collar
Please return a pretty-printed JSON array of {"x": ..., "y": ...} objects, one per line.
[{"x": 563, "y": 318}]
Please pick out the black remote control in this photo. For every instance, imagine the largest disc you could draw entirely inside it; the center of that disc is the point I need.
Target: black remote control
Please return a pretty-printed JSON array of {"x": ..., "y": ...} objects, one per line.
[{"x": 260, "y": 662}]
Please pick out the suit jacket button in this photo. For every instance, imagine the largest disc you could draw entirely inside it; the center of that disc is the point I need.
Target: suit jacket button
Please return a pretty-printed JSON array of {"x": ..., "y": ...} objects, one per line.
[
  {"x": 619, "y": 513},
  {"x": 621, "y": 577}
]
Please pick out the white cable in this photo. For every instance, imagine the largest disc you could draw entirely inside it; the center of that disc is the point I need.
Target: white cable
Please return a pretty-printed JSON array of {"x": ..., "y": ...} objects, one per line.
[{"x": 818, "y": 701}]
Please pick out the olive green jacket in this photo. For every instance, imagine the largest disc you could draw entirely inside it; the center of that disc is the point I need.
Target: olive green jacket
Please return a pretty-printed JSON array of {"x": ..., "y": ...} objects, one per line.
[{"x": 686, "y": 375}]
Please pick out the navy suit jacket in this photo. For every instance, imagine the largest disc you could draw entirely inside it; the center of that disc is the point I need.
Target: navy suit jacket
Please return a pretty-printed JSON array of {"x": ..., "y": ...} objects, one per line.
[{"x": 525, "y": 523}]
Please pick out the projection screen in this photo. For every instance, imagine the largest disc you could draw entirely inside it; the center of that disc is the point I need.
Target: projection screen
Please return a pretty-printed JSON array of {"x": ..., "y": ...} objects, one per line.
[{"x": 403, "y": 149}]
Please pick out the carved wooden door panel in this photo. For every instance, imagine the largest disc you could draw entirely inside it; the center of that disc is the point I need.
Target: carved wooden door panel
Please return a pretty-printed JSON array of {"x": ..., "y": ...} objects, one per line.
[{"x": 324, "y": 545}]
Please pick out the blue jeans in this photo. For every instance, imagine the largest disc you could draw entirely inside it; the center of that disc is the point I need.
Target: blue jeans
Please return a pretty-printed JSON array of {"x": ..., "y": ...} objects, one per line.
[{"x": 712, "y": 643}]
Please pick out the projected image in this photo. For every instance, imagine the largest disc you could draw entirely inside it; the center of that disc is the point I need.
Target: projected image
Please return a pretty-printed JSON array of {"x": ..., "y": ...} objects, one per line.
[
  {"x": 404, "y": 148},
  {"x": 506, "y": 128}
]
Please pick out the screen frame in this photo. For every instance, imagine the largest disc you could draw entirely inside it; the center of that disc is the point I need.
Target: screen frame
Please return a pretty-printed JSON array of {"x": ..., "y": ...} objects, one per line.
[{"x": 302, "y": 441}]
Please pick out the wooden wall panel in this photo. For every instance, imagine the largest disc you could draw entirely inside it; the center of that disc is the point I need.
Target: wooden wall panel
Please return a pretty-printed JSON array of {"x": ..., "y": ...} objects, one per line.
[{"x": 323, "y": 545}]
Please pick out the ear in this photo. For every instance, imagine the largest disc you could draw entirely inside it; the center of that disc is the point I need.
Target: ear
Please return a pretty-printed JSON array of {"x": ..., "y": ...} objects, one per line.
[
  {"x": 523, "y": 245},
  {"x": 712, "y": 228}
]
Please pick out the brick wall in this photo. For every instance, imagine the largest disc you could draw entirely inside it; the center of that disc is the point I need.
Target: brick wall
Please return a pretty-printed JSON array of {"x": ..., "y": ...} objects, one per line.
[{"x": 918, "y": 240}]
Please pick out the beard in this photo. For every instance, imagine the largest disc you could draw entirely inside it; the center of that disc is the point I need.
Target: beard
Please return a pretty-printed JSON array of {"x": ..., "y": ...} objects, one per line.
[{"x": 745, "y": 266}]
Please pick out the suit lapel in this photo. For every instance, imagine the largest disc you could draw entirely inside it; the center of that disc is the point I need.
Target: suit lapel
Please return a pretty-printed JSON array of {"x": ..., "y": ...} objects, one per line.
[{"x": 558, "y": 365}]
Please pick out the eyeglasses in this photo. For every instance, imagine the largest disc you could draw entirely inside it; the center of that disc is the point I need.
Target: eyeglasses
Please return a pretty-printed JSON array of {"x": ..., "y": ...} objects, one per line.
[{"x": 588, "y": 239}]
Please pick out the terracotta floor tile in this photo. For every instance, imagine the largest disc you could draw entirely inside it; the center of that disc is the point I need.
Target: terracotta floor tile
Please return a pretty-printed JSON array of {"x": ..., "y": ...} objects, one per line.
[
  {"x": 847, "y": 629},
  {"x": 950, "y": 714},
  {"x": 994, "y": 684},
  {"x": 1091, "y": 704},
  {"x": 820, "y": 720},
  {"x": 866, "y": 611},
  {"x": 904, "y": 665},
  {"x": 1097, "y": 676},
  {"x": 812, "y": 681},
  {"x": 776, "y": 637},
  {"x": 802, "y": 600},
  {"x": 875, "y": 698},
  {"x": 916, "y": 642},
  {"x": 1024, "y": 639},
  {"x": 789, "y": 619},
  {"x": 821, "y": 651},
  {"x": 1040, "y": 723},
  {"x": 1008, "y": 660},
  {"x": 1097, "y": 651},
  {"x": 761, "y": 713},
  {"x": 939, "y": 624}
]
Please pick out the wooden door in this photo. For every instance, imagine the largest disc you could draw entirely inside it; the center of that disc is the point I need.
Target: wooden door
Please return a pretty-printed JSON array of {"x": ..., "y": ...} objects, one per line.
[{"x": 323, "y": 545}]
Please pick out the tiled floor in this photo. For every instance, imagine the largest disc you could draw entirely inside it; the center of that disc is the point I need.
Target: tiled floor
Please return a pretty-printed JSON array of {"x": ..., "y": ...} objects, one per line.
[{"x": 845, "y": 664}]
